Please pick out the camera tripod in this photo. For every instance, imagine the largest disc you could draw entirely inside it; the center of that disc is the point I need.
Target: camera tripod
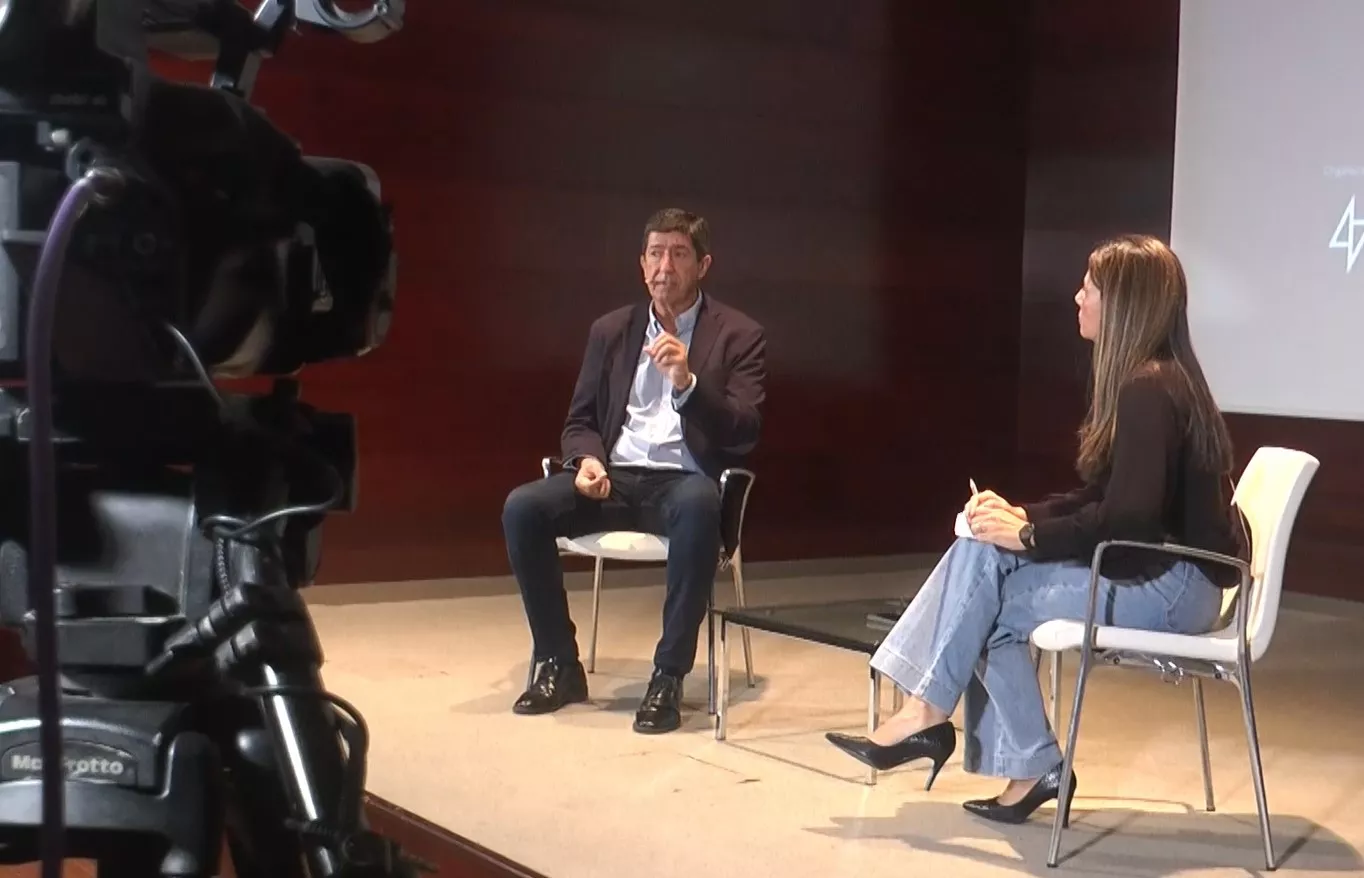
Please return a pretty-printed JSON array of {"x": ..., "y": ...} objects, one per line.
[{"x": 192, "y": 704}]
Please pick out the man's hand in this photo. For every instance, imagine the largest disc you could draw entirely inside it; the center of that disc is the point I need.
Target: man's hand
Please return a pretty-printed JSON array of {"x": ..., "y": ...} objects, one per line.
[
  {"x": 670, "y": 358},
  {"x": 999, "y": 526},
  {"x": 987, "y": 500},
  {"x": 591, "y": 480}
]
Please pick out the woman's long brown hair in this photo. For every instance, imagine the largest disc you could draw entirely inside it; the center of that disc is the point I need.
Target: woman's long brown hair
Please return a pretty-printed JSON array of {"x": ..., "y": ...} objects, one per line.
[{"x": 1145, "y": 327}]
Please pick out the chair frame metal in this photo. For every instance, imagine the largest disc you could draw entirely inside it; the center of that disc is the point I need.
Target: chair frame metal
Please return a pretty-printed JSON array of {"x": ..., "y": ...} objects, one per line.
[{"x": 1171, "y": 668}]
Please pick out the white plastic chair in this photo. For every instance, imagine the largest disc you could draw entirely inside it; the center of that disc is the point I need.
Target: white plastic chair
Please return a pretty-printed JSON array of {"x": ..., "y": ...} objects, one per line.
[
  {"x": 1268, "y": 495},
  {"x": 624, "y": 545}
]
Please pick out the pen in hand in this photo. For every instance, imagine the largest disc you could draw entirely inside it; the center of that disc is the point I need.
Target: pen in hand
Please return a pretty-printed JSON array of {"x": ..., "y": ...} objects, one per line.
[{"x": 970, "y": 505}]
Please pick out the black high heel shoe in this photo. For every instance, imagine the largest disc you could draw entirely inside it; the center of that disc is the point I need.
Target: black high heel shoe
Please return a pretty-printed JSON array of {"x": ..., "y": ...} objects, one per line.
[
  {"x": 937, "y": 743},
  {"x": 1048, "y": 787}
]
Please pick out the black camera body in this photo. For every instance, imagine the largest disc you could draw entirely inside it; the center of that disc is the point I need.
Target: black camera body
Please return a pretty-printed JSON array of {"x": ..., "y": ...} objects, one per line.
[
  {"x": 266, "y": 260},
  {"x": 187, "y": 684}
]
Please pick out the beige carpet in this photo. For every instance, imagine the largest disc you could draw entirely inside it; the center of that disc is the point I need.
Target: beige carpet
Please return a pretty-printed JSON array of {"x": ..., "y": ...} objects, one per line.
[{"x": 435, "y": 667}]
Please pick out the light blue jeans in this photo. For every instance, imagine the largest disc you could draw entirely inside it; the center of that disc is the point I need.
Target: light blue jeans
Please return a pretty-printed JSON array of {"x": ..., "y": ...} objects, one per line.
[{"x": 966, "y": 633}]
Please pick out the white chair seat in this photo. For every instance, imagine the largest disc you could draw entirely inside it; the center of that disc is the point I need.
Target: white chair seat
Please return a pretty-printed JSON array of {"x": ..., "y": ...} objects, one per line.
[
  {"x": 618, "y": 545},
  {"x": 1063, "y": 634}
]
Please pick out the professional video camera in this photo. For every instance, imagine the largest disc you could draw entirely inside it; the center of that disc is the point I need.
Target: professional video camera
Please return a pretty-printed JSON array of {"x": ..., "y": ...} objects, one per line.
[{"x": 157, "y": 236}]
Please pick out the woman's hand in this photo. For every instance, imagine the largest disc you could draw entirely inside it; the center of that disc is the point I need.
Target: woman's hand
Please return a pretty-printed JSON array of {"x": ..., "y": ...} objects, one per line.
[
  {"x": 999, "y": 526},
  {"x": 987, "y": 500}
]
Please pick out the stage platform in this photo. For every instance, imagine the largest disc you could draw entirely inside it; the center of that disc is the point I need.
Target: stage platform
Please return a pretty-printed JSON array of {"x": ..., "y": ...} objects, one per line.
[{"x": 435, "y": 667}]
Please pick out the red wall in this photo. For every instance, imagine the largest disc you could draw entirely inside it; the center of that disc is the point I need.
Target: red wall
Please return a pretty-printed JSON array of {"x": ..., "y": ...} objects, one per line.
[
  {"x": 864, "y": 166},
  {"x": 875, "y": 172},
  {"x": 1100, "y": 162},
  {"x": 864, "y": 183}
]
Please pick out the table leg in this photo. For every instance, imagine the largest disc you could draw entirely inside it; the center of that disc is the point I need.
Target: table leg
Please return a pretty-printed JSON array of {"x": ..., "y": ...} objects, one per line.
[
  {"x": 873, "y": 715},
  {"x": 722, "y": 683}
]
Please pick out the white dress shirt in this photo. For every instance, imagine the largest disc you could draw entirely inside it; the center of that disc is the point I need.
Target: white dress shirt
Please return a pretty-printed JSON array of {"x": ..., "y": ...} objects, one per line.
[{"x": 652, "y": 434}]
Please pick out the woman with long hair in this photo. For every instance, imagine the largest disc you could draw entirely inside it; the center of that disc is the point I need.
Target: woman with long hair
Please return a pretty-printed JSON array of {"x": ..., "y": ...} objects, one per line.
[{"x": 1154, "y": 458}]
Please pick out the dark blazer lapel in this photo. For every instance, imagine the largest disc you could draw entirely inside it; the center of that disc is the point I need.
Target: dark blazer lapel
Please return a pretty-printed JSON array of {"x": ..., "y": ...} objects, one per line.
[
  {"x": 703, "y": 338},
  {"x": 623, "y": 371}
]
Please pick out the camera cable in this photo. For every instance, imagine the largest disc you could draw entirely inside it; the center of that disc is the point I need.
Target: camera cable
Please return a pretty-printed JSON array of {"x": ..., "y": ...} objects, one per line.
[{"x": 94, "y": 186}]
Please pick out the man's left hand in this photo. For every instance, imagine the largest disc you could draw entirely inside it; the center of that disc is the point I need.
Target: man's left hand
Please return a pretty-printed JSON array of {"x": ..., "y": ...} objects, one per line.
[
  {"x": 670, "y": 358},
  {"x": 992, "y": 524}
]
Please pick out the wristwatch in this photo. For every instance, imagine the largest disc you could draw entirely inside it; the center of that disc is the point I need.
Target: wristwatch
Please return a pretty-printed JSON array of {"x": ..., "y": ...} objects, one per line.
[{"x": 1025, "y": 535}]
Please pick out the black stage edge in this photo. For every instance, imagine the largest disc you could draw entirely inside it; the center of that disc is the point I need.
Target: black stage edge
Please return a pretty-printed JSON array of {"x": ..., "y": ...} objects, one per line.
[{"x": 453, "y": 856}]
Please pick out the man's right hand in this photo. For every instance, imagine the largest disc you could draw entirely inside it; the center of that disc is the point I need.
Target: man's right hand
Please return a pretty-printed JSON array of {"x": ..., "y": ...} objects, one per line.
[{"x": 591, "y": 480}]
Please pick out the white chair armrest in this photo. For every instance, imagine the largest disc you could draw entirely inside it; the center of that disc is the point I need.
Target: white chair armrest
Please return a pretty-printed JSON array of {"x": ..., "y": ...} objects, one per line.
[{"x": 1176, "y": 549}]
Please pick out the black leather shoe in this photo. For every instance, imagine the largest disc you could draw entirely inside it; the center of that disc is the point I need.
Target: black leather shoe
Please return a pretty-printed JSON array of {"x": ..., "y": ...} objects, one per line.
[
  {"x": 661, "y": 709},
  {"x": 557, "y": 682},
  {"x": 937, "y": 743},
  {"x": 1048, "y": 787}
]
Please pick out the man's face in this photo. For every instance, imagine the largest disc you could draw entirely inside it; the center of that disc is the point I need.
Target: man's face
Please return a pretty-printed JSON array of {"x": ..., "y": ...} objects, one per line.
[{"x": 671, "y": 270}]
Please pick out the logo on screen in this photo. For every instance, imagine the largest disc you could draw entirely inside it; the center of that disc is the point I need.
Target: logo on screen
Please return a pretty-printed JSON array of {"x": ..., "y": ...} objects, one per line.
[{"x": 1349, "y": 236}]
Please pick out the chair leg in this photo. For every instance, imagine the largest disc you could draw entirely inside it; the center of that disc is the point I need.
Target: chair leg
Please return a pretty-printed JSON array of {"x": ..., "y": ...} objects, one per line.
[
  {"x": 1256, "y": 766},
  {"x": 1203, "y": 743},
  {"x": 1055, "y": 697},
  {"x": 736, "y": 570},
  {"x": 722, "y": 685},
  {"x": 710, "y": 653},
  {"x": 596, "y": 615},
  {"x": 1068, "y": 770}
]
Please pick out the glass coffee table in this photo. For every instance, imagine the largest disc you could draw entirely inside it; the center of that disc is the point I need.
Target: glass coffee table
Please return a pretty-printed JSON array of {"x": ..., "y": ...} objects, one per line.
[{"x": 855, "y": 625}]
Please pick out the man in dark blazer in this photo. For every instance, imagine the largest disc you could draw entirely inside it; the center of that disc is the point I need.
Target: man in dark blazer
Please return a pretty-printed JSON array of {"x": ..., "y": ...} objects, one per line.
[{"x": 668, "y": 396}]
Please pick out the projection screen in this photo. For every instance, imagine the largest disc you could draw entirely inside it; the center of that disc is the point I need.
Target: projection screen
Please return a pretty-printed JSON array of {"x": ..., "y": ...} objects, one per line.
[{"x": 1268, "y": 209}]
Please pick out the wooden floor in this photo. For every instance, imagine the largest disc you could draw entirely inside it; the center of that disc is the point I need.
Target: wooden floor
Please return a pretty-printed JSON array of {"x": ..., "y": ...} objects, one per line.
[
  {"x": 451, "y": 855},
  {"x": 72, "y": 870}
]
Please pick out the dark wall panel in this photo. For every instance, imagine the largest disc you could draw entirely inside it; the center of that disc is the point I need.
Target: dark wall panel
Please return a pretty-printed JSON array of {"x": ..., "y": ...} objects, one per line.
[
  {"x": 1100, "y": 160},
  {"x": 875, "y": 172},
  {"x": 865, "y": 188}
]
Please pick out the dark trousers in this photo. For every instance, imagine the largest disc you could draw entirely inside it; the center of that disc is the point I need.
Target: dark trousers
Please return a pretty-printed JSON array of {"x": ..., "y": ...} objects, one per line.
[{"x": 684, "y": 507}]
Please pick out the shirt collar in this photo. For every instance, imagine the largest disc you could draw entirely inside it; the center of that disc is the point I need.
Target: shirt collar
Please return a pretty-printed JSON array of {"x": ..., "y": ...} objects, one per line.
[{"x": 686, "y": 321}]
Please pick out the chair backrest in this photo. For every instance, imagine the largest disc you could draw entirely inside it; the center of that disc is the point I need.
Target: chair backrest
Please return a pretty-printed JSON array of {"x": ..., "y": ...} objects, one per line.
[{"x": 1269, "y": 494}]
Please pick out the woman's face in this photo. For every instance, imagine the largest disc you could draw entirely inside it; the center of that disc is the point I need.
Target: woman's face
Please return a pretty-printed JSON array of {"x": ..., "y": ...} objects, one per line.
[{"x": 1090, "y": 304}]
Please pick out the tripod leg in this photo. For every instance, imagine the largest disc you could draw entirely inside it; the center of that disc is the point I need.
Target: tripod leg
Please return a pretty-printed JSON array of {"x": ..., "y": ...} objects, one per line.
[
  {"x": 257, "y": 839},
  {"x": 300, "y": 732}
]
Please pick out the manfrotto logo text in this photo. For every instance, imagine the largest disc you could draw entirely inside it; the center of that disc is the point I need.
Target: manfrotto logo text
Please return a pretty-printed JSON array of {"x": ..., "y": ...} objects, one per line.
[{"x": 75, "y": 767}]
